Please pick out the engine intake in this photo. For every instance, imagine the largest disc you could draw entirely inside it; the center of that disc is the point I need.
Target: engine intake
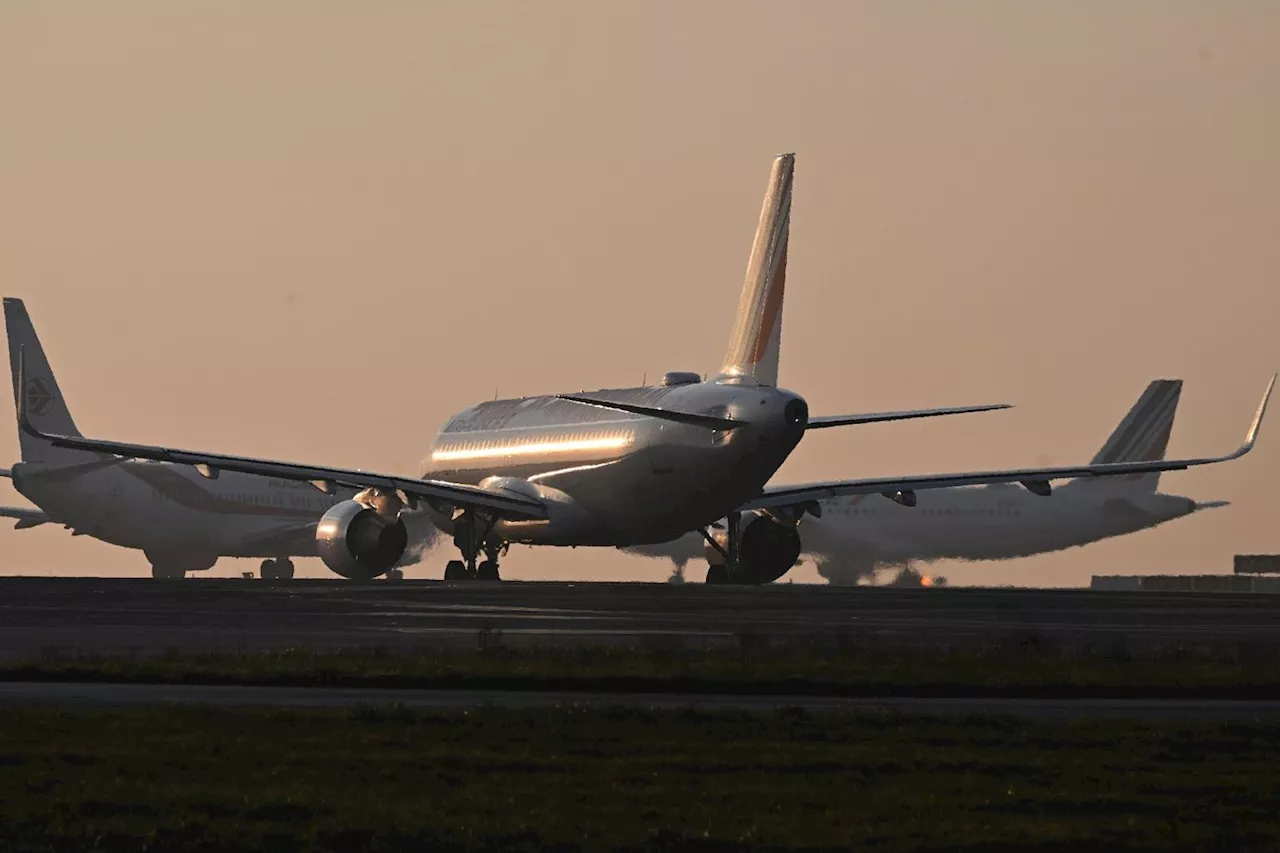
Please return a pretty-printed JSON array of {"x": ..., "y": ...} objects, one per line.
[
  {"x": 768, "y": 550},
  {"x": 356, "y": 542}
]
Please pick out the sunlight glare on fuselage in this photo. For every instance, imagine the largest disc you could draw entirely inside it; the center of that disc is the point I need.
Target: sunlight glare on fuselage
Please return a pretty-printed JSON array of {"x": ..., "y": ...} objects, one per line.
[{"x": 483, "y": 450}]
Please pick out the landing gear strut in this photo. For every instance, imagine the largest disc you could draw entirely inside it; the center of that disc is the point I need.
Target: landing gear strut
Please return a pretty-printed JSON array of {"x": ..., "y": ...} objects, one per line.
[
  {"x": 472, "y": 534},
  {"x": 281, "y": 569},
  {"x": 730, "y": 551}
]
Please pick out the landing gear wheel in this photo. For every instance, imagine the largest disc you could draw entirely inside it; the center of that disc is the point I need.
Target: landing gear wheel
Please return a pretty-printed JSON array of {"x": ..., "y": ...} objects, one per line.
[
  {"x": 284, "y": 569},
  {"x": 488, "y": 571},
  {"x": 395, "y": 575},
  {"x": 455, "y": 570},
  {"x": 268, "y": 571},
  {"x": 717, "y": 574}
]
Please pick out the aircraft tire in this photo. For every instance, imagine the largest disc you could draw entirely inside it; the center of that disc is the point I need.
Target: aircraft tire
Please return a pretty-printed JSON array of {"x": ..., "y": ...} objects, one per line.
[
  {"x": 487, "y": 571},
  {"x": 455, "y": 570},
  {"x": 717, "y": 574}
]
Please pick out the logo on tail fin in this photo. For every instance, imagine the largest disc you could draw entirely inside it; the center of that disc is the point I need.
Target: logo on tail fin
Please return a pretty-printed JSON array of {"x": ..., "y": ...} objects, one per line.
[{"x": 39, "y": 398}]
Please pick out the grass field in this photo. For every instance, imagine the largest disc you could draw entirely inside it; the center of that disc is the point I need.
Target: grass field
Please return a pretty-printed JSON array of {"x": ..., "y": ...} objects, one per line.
[
  {"x": 1014, "y": 671},
  {"x": 192, "y": 779}
]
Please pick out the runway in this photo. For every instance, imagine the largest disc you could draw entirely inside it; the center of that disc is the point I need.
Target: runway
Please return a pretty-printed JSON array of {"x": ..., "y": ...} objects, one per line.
[
  {"x": 99, "y": 695},
  {"x": 142, "y": 616}
]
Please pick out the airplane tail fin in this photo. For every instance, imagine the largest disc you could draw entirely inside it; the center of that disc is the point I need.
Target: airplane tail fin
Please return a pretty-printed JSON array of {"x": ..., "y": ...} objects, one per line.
[
  {"x": 46, "y": 407},
  {"x": 1143, "y": 436},
  {"x": 757, "y": 331}
]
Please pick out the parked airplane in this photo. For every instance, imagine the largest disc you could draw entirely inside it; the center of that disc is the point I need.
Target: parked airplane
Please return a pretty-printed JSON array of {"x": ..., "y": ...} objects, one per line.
[
  {"x": 855, "y": 537},
  {"x": 181, "y": 521},
  {"x": 615, "y": 467}
]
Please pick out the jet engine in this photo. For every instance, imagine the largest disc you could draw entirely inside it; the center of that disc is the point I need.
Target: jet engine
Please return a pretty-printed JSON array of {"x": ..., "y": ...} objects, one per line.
[
  {"x": 363, "y": 537},
  {"x": 767, "y": 550}
]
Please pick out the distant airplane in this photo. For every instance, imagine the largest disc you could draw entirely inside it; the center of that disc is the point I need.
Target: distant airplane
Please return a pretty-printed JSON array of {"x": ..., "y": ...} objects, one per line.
[
  {"x": 856, "y": 537},
  {"x": 613, "y": 468},
  {"x": 181, "y": 521}
]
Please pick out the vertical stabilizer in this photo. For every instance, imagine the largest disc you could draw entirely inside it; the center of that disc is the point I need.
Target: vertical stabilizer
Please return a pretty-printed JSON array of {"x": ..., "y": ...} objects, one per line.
[
  {"x": 1143, "y": 436},
  {"x": 46, "y": 408},
  {"x": 757, "y": 330}
]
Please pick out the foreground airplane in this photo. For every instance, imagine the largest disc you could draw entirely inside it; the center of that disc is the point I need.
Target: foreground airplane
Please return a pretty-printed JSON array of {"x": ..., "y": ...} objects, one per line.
[
  {"x": 615, "y": 467},
  {"x": 181, "y": 521},
  {"x": 855, "y": 536}
]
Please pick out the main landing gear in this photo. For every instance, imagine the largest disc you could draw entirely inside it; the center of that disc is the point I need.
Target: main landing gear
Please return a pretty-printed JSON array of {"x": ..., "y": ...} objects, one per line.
[
  {"x": 277, "y": 570},
  {"x": 472, "y": 533},
  {"x": 730, "y": 550}
]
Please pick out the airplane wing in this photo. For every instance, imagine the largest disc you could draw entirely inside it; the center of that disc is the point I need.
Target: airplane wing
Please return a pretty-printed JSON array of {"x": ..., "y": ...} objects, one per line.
[
  {"x": 903, "y": 489},
  {"x": 326, "y": 479},
  {"x": 26, "y": 517}
]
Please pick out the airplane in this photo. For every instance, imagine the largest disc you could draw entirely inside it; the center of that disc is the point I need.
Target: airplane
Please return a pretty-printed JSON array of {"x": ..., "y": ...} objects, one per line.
[
  {"x": 181, "y": 521},
  {"x": 615, "y": 467},
  {"x": 855, "y": 537}
]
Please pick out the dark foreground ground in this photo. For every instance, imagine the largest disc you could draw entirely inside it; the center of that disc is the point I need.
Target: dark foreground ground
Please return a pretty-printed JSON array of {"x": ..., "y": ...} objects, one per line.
[
  {"x": 143, "y": 616},
  {"x": 81, "y": 695},
  {"x": 633, "y": 717},
  {"x": 623, "y": 779}
]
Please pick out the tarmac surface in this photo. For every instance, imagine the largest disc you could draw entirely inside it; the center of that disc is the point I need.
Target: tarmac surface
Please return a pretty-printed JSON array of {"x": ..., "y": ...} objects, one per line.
[
  {"x": 102, "y": 695},
  {"x": 144, "y": 616}
]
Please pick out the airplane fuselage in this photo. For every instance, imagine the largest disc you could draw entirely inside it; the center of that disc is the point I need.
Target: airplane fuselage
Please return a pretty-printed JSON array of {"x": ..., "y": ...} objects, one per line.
[
  {"x": 172, "y": 510},
  {"x": 609, "y": 476},
  {"x": 980, "y": 523}
]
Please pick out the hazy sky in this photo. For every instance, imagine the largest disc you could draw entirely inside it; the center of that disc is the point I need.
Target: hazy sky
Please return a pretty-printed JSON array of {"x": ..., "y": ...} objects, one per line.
[{"x": 312, "y": 230}]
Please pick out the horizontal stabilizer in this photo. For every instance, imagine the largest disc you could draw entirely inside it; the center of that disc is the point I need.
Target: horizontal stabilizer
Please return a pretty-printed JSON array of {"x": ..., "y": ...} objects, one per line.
[
  {"x": 26, "y": 517},
  {"x": 708, "y": 421},
  {"x": 876, "y": 417}
]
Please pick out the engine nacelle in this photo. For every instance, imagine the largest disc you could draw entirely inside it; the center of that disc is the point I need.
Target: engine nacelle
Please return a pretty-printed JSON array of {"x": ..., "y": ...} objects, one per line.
[
  {"x": 767, "y": 551},
  {"x": 356, "y": 542}
]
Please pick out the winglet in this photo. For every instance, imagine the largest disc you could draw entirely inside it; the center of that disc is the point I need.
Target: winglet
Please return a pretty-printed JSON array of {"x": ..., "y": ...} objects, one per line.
[{"x": 1251, "y": 438}]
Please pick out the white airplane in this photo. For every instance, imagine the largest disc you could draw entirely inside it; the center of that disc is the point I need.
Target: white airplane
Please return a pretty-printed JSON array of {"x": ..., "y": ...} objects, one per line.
[
  {"x": 614, "y": 467},
  {"x": 181, "y": 521},
  {"x": 855, "y": 537}
]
